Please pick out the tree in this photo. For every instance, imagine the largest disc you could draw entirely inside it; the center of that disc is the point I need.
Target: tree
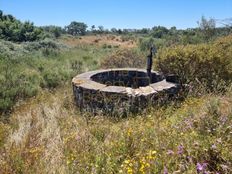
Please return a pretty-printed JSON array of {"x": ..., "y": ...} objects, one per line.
[
  {"x": 93, "y": 28},
  {"x": 144, "y": 30},
  {"x": 173, "y": 30},
  {"x": 12, "y": 29},
  {"x": 10, "y": 17},
  {"x": 114, "y": 30},
  {"x": 159, "y": 32},
  {"x": 207, "y": 27},
  {"x": 100, "y": 29},
  {"x": 1, "y": 14},
  {"x": 119, "y": 31},
  {"x": 76, "y": 28},
  {"x": 57, "y": 32}
]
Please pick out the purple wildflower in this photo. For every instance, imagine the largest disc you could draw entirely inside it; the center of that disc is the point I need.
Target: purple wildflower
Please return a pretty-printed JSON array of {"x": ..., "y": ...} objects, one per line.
[
  {"x": 201, "y": 167},
  {"x": 223, "y": 119},
  {"x": 170, "y": 152},
  {"x": 78, "y": 137},
  {"x": 189, "y": 124},
  {"x": 180, "y": 149},
  {"x": 165, "y": 170},
  {"x": 190, "y": 159}
]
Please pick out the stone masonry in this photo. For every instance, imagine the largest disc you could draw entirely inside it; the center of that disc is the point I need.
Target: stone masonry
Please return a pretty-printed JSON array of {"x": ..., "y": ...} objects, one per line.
[{"x": 120, "y": 90}]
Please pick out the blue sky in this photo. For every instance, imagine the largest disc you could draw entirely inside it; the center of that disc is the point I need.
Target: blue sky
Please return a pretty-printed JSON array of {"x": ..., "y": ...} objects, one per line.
[{"x": 118, "y": 13}]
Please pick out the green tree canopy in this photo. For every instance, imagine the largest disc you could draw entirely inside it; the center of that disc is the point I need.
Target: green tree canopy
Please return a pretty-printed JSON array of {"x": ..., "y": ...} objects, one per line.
[
  {"x": 76, "y": 28},
  {"x": 14, "y": 30},
  {"x": 55, "y": 30},
  {"x": 159, "y": 32}
]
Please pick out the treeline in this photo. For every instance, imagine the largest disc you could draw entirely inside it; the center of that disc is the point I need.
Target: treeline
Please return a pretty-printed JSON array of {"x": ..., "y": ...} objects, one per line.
[{"x": 12, "y": 29}]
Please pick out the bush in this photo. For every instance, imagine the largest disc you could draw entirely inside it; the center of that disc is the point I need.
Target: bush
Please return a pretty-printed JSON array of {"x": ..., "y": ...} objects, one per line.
[
  {"x": 16, "y": 83},
  {"x": 105, "y": 46},
  {"x": 146, "y": 43},
  {"x": 51, "y": 79},
  {"x": 124, "y": 58},
  {"x": 44, "y": 44},
  {"x": 11, "y": 49},
  {"x": 46, "y": 47},
  {"x": 17, "y": 31},
  {"x": 207, "y": 64},
  {"x": 126, "y": 38}
]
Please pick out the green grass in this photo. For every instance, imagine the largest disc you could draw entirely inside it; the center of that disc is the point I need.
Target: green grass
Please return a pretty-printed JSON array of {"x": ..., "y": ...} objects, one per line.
[
  {"x": 48, "y": 133},
  {"x": 47, "y": 65}
]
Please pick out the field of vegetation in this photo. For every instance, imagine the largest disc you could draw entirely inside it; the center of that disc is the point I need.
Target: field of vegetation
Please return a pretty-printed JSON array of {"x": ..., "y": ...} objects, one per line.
[{"x": 42, "y": 130}]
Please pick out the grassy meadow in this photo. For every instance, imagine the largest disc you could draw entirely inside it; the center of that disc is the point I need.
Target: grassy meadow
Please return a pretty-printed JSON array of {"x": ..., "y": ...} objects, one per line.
[{"x": 42, "y": 130}]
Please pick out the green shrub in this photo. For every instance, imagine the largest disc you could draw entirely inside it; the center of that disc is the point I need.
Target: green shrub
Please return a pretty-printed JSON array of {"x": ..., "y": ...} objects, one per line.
[
  {"x": 49, "y": 52},
  {"x": 5, "y": 104},
  {"x": 16, "y": 83},
  {"x": 146, "y": 43},
  {"x": 43, "y": 44},
  {"x": 45, "y": 48},
  {"x": 51, "y": 79},
  {"x": 11, "y": 49},
  {"x": 87, "y": 57},
  {"x": 29, "y": 83},
  {"x": 77, "y": 65},
  {"x": 125, "y": 38},
  {"x": 105, "y": 46},
  {"x": 206, "y": 64}
]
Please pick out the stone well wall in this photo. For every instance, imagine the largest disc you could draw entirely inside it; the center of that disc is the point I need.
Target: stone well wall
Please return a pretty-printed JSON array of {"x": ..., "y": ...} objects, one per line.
[{"x": 120, "y": 90}]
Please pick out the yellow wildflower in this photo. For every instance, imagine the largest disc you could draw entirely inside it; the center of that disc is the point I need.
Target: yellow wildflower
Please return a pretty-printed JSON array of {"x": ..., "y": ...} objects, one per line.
[
  {"x": 129, "y": 132},
  {"x": 153, "y": 152},
  {"x": 129, "y": 170},
  {"x": 68, "y": 162}
]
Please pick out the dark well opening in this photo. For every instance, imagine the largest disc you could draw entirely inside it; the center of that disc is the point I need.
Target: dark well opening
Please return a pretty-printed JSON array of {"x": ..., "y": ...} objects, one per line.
[{"x": 133, "y": 79}]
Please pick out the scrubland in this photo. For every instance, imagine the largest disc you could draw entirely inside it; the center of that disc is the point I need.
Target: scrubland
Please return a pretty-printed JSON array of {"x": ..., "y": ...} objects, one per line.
[{"x": 42, "y": 130}]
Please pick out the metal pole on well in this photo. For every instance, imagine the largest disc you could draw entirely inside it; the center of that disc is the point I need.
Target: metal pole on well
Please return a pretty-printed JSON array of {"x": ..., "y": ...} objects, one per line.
[{"x": 149, "y": 61}]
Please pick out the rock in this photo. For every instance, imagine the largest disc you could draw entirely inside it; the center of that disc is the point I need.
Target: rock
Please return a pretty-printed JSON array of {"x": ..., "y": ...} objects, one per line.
[{"x": 124, "y": 89}]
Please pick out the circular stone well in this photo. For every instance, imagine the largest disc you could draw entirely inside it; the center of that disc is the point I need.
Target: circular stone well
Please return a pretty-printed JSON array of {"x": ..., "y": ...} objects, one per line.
[{"x": 120, "y": 90}]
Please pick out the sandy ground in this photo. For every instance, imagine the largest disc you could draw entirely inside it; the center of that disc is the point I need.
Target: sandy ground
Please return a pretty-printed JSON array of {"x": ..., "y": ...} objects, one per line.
[{"x": 99, "y": 40}]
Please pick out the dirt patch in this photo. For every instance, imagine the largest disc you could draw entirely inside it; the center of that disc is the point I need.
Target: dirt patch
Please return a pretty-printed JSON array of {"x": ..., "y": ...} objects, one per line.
[{"x": 99, "y": 40}]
